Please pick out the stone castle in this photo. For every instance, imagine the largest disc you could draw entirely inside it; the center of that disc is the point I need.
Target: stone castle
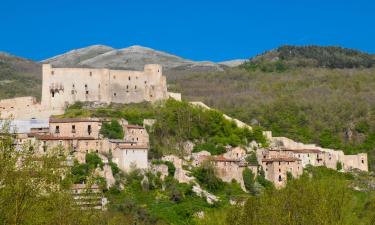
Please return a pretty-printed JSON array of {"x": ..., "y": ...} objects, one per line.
[{"x": 64, "y": 86}]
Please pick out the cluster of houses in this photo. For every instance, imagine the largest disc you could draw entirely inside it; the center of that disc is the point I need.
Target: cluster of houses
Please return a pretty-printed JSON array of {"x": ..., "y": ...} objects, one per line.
[
  {"x": 79, "y": 136},
  {"x": 284, "y": 156}
]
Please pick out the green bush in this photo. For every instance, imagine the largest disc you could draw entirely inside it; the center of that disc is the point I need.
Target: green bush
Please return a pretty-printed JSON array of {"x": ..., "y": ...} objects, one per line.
[
  {"x": 112, "y": 130},
  {"x": 94, "y": 161},
  {"x": 211, "y": 148},
  {"x": 248, "y": 179},
  {"x": 205, "y": 174}
]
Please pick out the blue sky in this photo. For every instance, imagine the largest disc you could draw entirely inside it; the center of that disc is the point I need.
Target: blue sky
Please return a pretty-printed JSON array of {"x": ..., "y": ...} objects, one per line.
[{"x": 199, "y": 30}]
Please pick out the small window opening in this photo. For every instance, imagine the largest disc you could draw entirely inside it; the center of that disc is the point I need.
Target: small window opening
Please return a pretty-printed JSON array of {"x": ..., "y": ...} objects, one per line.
[
  {"x": 128, "y": 78},
  {"x": 135, "y": 87},
  {"x": 280, "y": 179},
  {"x": 114, "y": 94},
  {"x": 89, "y": 130},
  {"x": 53, "y": 94},
  {"x": 363, "y": 161},
  {"x": 73, "y": 128},
  {"x": 52, "y": 72},
  {"x": 87, "y": 92},
  {"x": 90, "y": 73},
  {"x": 57, "y": 130},
  {"x": 85, "y": 85}
]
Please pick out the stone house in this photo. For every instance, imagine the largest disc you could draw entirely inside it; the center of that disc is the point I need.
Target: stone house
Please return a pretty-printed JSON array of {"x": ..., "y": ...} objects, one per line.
[
  {"x": 235, "y": 153},
  {"x": 231, "y": 169},
  {"x": 135, "y": 133},
  {"x": 128, "y": 154},
  {"x": 277, "y": 168}
]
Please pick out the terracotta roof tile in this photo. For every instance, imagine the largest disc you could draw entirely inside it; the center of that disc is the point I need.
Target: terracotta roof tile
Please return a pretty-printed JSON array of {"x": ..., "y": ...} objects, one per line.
[
  {"x": 281, "y": 159},
  {"x": 75, "y": 120}
]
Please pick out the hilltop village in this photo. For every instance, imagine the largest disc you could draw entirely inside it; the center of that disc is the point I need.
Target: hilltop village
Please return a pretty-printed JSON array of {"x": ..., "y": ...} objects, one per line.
[{"x": 37, "y": 124}]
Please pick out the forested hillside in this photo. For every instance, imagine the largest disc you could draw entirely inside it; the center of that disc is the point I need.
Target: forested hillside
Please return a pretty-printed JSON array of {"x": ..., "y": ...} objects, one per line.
[{"x": 332, "y": 107}]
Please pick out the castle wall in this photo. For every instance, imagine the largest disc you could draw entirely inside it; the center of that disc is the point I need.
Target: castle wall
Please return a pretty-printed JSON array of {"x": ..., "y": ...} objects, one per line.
[{"x": 63, "y": 86}]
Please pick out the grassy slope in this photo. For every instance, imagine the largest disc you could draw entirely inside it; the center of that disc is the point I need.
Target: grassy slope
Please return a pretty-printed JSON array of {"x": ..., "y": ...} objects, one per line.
[
  {"x": 330, "y": 107},
  {"x": 19, "y": 77}
]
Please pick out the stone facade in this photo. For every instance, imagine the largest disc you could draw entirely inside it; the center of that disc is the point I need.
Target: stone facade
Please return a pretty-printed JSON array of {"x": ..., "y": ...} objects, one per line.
[
  {"x": 277, "y": 168},
  {"x": 64, "y": 86},
  {"x": 135, "y": 133}
]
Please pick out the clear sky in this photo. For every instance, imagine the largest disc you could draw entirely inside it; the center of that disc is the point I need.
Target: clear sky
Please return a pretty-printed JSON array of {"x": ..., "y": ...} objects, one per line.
[{"x": 195, "y": 29}]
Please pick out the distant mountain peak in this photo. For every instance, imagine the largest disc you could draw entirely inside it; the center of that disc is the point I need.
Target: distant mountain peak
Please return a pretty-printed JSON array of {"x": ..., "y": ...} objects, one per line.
[{"x": 133, "y": 58}]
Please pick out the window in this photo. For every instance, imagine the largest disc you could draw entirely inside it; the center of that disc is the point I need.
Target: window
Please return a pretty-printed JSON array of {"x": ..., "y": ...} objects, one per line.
[
  {"x": 363, "y": 161},
  {"x": 87, "y": 92},
  {"x": 90, "y": 73},
  {"x": 89, "y": 131},
  {"x": 53, "y": 94},
  {"x": 135, "y": 87},
  {"x": 145, "y": 82},
  {"x": 85, "y": 85},
  {"x": 114, "y": 77},
  {"x": 114, "y": 94},
  {"x": 73, "y": 128},
  {"x": 129, "y": 78},
  {"x": 73, "y": 86},
  {"x": 57, "y": 130},
  {"x": 72, "y": 92},
  {"x": 52, "y": 72},
  {"x": 280, "y": 170},
  {"x": 127, "y": 86},
  {"x": 279, "y": 163},
  {"x": 280, "y": 179}
]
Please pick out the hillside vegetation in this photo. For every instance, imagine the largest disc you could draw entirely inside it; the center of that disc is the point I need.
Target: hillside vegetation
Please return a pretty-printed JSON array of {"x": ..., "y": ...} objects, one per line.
[
  {"x": 310, "y": 56},
  {"x": 333, "y": 108},
  {"x": 176, "y": 123},
  {"x": 19, "y": 77}
]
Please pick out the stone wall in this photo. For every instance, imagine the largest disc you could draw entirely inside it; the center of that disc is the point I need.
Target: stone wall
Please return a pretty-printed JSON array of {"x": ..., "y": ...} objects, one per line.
[{"x": 63, "y": 86}]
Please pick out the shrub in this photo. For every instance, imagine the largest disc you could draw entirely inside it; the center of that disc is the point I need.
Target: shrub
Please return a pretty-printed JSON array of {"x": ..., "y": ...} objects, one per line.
[
  {"x": 248, "y": 179},
  {"x": 252, "y": 159},
  {"x": 205, "y": 174},
  {"x": 338, "y": 166},
  {"x": 94, "y": 161},
  {"x": 112, "y": 130},
  {"x": 211, "y": 148}
]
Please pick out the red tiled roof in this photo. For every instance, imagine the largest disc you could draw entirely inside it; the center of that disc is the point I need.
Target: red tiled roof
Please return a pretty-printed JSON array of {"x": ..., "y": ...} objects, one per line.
[
  {"x": 221, "y": 158},
  {"x": 132, "y": 146},
  {"x": 130, "y": 126},
  {"x": 281, "y": 159},
  {"x": 305, "y": 150},
  {"x": 50, "y": 137},
  {"x": 296, "y": 150},
  {"x": 75, "y": 120}
]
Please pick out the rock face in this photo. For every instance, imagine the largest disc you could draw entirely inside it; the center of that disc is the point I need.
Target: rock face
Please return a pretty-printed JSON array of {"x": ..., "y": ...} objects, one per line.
[{"x": 131, "y": 58}]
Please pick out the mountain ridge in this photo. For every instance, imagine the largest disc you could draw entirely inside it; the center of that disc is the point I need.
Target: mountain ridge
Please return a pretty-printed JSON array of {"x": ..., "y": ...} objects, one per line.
[{"x": 132, "y": 58}]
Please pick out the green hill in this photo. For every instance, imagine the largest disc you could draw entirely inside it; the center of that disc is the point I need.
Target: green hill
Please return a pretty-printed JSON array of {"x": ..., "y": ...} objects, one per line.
[{"x": 19, "y": 77}]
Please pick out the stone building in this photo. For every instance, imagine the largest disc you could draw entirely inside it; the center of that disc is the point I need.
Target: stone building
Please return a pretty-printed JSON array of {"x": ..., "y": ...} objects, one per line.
[
  {"x": 277, "y": 168},
  {"x": 129, "y": 154},
  {"x": 64, "y": 86},
  {"x": 135, "y": 133}
]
